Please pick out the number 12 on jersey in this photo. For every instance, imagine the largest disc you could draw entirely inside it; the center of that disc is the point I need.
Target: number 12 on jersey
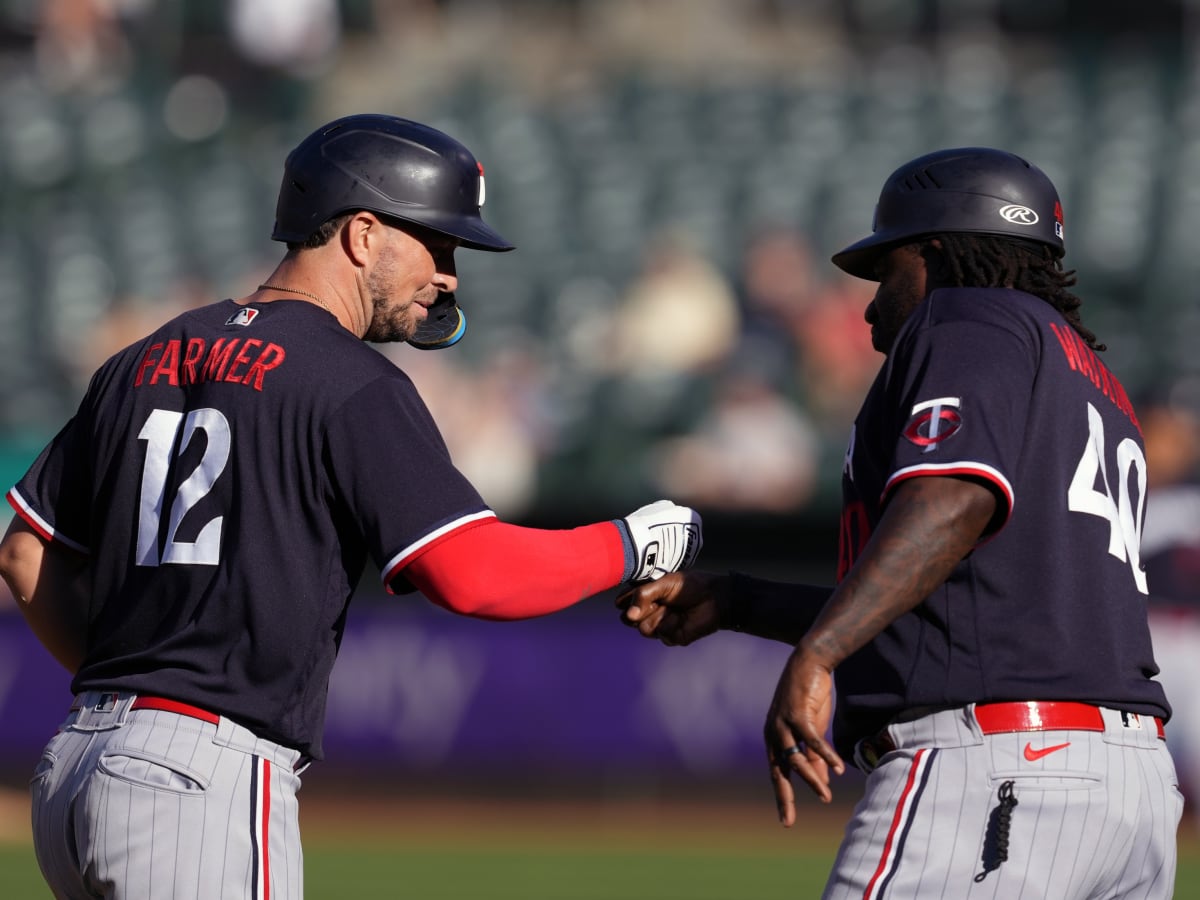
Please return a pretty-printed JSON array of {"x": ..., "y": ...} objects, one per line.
[
  {"x": 159, "y": 434},
  {"x": 1090, "y": 492}
]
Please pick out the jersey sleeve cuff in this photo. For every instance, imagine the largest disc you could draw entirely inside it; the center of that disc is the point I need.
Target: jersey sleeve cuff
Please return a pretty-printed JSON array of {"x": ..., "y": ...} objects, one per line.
[
  {"x": 416, "y": 548},
  {"x": 42, "y": 526},
  {"x": 985, "y": 474}
]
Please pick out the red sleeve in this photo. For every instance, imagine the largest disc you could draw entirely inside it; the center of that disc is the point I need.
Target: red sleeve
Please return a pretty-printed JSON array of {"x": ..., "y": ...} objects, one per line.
[{"x": 500, "y": 571}]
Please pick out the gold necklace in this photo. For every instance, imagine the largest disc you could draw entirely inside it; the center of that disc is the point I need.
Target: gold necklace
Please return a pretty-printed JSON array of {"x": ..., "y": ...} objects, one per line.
[{"x": 288, "y": 290}]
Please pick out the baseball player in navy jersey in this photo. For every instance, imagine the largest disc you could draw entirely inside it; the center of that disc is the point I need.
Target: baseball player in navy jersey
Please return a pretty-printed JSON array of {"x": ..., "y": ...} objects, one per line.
[
  {"x": 189, "y": 543},
  {"x": 987, "y": 634}
]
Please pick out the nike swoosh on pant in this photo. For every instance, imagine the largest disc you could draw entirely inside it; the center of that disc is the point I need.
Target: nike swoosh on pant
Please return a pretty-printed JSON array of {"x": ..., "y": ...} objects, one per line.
[{"x": 1034, "y": 755}]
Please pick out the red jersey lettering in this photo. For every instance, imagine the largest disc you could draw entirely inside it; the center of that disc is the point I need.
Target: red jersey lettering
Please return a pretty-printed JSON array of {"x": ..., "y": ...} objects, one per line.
[
  {"x": 218, "y": 359},
  {"x": 272, "y": 357},
  {"x": 168, "y": 364},
  {"x": 191, "y": 359},
  {"x": 242, "y": 359}
]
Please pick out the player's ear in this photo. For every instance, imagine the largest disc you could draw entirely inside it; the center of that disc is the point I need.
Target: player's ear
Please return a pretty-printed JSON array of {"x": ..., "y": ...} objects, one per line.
[
  {"x": 937, "y": 272},
  {"x": 359, "y": 235}
]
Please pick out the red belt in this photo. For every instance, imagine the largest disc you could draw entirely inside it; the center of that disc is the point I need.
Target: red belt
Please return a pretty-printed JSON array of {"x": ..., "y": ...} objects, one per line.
[
  {"x": 1050, "y": 715},
  {"x": 164, "y": 705},
  {"x": 1002, "y": 718}
]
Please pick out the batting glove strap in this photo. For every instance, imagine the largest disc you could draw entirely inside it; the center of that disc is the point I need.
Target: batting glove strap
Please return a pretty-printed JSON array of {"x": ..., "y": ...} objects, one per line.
[{"x": 660, "y": 537}]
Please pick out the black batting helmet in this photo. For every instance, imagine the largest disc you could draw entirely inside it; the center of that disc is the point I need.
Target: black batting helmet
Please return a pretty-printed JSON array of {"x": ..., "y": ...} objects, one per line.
[
  {"x": 387, "y": 165},
  {"x": 970, "y": 189}
]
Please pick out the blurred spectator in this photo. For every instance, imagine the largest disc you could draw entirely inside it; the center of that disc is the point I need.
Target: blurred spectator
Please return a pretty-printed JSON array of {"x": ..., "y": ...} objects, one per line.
[
  {"x": 489, "y": 417},
  {"x": 679, "y": 317},
  {"x": 1171, "y": 556},
  {"x": 837, "y": 361},
  {"x": 80, "y": 43},
  {"x": 753, "y": 450},
  {"x": 295, "y": 36},
  {"x": 779, "y": 280},
  {"x": 804, "y": 311}
]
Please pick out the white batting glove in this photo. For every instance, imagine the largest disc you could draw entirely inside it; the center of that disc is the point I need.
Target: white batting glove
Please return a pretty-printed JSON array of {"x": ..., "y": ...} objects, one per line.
[{"x": 660, "y": 537}]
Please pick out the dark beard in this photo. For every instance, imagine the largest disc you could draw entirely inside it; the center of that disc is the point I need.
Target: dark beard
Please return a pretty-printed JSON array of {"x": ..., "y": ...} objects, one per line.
[{"x": 385, "y": 327}]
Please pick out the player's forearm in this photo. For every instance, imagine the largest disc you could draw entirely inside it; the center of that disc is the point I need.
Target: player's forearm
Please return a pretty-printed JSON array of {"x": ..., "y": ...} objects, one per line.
[
  {"x": 770, "y": 609},
  {"x": 929, "y": 527},
  {"x": 45, "y": 583},
  {"x": 502, "y": 571}
]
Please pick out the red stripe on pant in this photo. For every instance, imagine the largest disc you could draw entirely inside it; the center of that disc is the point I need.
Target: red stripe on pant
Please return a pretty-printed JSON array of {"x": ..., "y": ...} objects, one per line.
[
  {"x": 260, "y": 834},
  {"x": 889, "y": 859}
]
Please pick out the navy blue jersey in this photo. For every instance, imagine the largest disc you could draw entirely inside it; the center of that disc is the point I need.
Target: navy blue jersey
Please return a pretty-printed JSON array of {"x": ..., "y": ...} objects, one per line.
[
  {"x": 229, "y": 477},
  {"x": 994, "y": 385}
]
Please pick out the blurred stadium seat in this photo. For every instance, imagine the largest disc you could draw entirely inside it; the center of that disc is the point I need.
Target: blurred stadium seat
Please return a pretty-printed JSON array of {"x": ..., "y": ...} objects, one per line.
[{"x": 105, "y": 207}]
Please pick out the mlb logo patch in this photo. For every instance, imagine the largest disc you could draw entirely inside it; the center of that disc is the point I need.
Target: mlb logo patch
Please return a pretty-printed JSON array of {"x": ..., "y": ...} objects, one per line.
[
  {"x": 243, "y": 316},
  {"x": 1131, "y": 720}
]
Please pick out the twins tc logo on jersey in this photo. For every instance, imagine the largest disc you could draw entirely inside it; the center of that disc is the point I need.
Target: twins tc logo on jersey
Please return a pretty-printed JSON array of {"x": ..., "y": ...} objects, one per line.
[{"x": 933, "y": 421}]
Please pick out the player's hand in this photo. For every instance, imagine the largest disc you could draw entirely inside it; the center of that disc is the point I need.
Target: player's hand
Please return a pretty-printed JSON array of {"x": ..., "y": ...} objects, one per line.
[
  {"x": 678, "y": 608},
  {"x": 664, "y": 537},
  {"x": 795, "y": 733}
]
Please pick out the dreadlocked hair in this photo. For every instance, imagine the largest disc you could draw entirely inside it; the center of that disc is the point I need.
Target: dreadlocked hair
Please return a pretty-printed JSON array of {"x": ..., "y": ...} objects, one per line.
[{"x": 980, "y": 260}]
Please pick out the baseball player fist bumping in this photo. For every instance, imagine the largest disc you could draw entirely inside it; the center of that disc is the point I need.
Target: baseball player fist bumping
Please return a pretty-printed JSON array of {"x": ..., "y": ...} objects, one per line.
[
  {"x": 972, "y": 668},
  {"x": 661, "y": 537},
  {"x": 372, "y": 209}
]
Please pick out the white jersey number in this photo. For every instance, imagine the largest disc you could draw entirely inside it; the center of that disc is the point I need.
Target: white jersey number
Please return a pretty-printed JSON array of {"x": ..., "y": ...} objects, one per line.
[
  {"x": 159, "y": 433},
  {"x": 1090, "y": 493}
]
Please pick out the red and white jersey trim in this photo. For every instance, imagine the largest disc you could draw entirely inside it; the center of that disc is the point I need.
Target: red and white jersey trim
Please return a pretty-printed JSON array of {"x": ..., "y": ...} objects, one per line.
[
  {"x": 405, "y": 556},
  {"x": 961, "y": 469},
  {"x": 40, "y": 525}
]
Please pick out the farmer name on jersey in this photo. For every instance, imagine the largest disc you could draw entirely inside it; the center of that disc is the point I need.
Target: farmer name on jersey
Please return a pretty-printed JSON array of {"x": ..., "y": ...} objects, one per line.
[{"x": 227, "y": 359}]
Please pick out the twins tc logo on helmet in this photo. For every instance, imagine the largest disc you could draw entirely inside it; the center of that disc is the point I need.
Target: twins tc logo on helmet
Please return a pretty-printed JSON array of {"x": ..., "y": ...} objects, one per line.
[{"x": 933, "y": 421}]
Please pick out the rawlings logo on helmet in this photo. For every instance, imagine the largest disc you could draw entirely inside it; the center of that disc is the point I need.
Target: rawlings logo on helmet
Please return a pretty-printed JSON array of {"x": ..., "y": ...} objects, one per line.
[{"x": 1018, "y": 214}]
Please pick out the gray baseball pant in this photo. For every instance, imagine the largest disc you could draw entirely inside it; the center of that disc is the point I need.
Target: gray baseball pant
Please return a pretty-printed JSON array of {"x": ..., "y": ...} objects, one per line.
[
  {"x": 144, "y": 804},
  {"x": 951, "y": 812}
]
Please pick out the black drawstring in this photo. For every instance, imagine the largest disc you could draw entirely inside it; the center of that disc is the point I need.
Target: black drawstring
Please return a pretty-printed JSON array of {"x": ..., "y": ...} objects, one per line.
[{"x": 995, "y": 845}]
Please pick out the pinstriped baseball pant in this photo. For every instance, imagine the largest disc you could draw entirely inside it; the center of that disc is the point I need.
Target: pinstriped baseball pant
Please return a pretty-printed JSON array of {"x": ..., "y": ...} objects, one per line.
[
  {"x": 1094, "y": 817},
  {"x": 146, "y": 805}
]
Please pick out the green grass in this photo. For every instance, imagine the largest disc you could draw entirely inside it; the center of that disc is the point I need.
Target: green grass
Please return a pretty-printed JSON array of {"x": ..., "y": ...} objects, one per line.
[
  {"x": 560, "y": 875},
  {"x": 549, "y": 864},
  {"x": 383, "y": 872},
  {"x": 335, "y": 873},
  {"x": 19, "y": 875}
]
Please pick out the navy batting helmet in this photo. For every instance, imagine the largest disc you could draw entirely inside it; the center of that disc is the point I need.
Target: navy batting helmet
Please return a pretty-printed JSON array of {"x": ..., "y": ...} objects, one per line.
[
  {"x": 387, "y": 165},
  {"x": 969, "y": 189}
]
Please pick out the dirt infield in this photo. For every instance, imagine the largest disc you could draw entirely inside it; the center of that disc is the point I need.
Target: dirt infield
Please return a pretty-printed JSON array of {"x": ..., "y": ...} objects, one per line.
[{"x": 14, "y": 816}]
